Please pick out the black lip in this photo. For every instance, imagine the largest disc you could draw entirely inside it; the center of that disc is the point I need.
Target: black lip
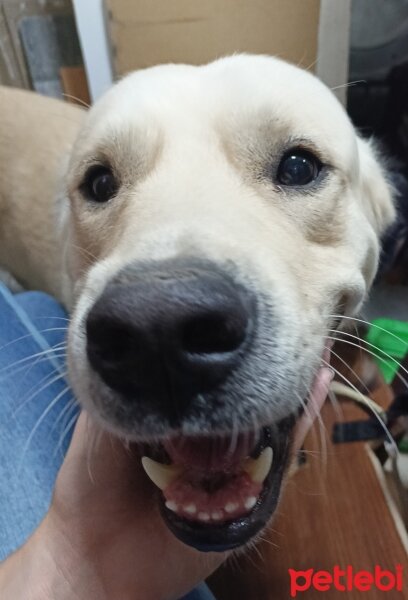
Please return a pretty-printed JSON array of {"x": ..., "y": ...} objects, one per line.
[{"x": 230, "y": 535}]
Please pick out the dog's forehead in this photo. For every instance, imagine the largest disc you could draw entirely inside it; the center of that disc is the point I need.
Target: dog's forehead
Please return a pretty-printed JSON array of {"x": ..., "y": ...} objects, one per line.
[
  {"x": 237, "y": 91},
  {"x": 235, "y": 82}
]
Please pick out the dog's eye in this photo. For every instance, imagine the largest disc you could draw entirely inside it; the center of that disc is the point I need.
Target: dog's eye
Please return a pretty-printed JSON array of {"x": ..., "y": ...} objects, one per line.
[
  {"x": 100, "y": 184},
  {"x": 298, "y": 167}
]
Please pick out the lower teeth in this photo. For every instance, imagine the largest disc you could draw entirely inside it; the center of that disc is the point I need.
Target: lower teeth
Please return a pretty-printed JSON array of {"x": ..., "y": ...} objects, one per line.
[{"x": 223, "y": 514}]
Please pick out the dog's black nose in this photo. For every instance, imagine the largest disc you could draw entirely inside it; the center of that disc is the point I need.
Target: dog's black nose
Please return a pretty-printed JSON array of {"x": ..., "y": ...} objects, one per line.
[{"x": 169, "y": 332}]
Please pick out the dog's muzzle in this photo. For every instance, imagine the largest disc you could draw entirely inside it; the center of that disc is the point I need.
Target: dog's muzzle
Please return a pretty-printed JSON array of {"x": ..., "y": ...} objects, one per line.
[{"x": 165, "y": 338}]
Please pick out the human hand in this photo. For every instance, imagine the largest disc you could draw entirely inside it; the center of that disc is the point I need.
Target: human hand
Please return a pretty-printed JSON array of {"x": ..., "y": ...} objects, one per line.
[{"x": 103, "y": 536}]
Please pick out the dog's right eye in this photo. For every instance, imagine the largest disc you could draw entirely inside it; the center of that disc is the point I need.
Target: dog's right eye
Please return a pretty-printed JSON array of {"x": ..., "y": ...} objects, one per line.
[
  {"x": 298, "y": 167},
  {"x": 100, "y": 184}
]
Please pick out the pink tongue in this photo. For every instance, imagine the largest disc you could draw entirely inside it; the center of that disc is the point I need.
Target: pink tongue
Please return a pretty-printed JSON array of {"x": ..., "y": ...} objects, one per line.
[
  {"x": 196, "y": 493},
  {"x": 206, "y": 454}
]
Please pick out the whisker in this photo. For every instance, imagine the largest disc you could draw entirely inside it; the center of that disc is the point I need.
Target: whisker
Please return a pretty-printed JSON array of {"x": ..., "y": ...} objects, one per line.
[
  {"x": 335, "y": 403},
  {"x": 265, "y": 540},
  {"x": 256, "y": 429},
  {"x": 233, "y": 562},
  {"x": 314, "y": 453},
  {"x": 381, "y": 422},
  {"x": 79, "y": 100},
  {"x": 38, "y": 424},
  {"x": 50, "y": 379},
  {"x": 86, "y": 253},
  {"x": 91, "y": 435},
  {"x": 64, "y": 413},
  {"x": 352, "y": 371},
  {"x": 66, "y": 430},
  {"x": 59, "y": 351},
  {"x": 52, "y": 318},
  {"x": 253, "y": 547},
  {"x": 322, "y": 431},
  {"x": 19, "y": 339},
  {"x": 26, "y": 368},
  {"x": 369, "y": 324},
  {"x": 57, "y": 346},
  {"x": 388, "y": 356},
  {"x": 312, "y": 65},
  {"x": 348, "y": 84}
]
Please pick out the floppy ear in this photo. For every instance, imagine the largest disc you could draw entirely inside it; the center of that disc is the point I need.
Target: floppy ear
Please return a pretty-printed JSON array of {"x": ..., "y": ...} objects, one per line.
[{"x": 377, "y": 193}]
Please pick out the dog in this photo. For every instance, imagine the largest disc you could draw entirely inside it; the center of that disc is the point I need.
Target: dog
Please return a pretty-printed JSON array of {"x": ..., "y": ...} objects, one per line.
[{"x": 208, "y": 228}]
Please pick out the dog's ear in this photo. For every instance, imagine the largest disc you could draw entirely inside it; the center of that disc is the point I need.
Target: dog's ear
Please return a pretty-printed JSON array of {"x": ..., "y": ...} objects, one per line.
[{"x": 377, "y": 193}]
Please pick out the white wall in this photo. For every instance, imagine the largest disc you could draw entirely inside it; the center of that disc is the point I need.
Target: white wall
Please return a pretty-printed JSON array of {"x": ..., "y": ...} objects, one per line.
[
  {"x": 90, "y": 21},
  {"x": 334, "y": 45}
]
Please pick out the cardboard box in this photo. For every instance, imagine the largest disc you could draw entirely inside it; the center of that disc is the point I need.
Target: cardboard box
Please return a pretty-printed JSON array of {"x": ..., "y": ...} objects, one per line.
[{"x": 148, "y": 32}]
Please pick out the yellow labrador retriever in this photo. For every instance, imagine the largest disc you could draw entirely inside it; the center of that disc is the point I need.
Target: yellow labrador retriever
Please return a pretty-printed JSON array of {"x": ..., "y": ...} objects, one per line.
[{"x": 207, "y": 227}]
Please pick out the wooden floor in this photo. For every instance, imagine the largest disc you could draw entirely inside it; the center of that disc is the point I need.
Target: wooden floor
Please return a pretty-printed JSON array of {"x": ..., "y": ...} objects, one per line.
[{"x": 333, "y": 512}]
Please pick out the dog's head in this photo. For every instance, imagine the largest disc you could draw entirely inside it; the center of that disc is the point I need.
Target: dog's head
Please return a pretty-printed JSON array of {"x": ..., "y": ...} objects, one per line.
[{"x": 223, "y": 220}]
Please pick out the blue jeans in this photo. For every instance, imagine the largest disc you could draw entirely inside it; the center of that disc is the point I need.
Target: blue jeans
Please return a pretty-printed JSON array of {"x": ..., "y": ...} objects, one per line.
[{"x": 37, "y": 414}]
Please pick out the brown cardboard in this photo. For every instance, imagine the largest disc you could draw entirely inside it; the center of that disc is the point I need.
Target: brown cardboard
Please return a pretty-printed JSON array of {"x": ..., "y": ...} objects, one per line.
[
  {"x": 75, "y": 85},
  {"x": 148, "y": 32}
]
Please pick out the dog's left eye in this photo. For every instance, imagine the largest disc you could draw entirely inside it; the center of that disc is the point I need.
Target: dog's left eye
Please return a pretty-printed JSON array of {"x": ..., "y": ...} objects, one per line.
[
  {"x": 298, "y": 167},
  {"x": 100, "y": 184}
]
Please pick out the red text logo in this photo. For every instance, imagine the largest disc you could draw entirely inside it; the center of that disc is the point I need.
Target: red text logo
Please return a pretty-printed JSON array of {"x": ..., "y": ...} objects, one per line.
[{"x": 345, "y": 580}]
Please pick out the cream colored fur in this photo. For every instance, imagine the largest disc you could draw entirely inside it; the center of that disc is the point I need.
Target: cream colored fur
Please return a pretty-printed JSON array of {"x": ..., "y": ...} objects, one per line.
[{"x": 190, "y": 145}]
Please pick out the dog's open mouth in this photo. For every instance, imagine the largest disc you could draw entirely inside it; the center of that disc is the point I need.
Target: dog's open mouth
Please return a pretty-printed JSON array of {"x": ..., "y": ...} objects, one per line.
[{"x": 218, "y": 492}]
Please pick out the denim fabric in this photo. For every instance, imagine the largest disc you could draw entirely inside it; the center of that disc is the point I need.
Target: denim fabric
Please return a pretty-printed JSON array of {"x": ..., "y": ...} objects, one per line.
[
  {"x": 33, "y": 396},
  {"x": 37, "y": 414}
]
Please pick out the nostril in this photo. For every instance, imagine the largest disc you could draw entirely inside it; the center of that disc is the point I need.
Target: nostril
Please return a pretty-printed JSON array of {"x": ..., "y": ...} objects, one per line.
[{"x": 213, "y": 334}]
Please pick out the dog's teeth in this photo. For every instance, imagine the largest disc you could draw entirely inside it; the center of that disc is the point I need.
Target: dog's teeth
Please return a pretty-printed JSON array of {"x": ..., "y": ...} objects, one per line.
[
  {"x": 171, "y": 505},
  {"x": 191, "y": 509},
  {"x": 161, "y": 475},
  {"x": 231, "y": 507},
  {"x": 203, "y": 516},
  {"x": 258, "y": 468},
  {"x": 250, "y": 502},
  {"x": 216, "y": 515}
]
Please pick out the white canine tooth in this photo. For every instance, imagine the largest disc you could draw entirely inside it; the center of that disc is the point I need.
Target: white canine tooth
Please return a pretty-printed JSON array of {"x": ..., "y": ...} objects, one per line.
[
  {"x": 171, "y": 505},
  {"x": 191, "y": 509},
  {"x": 216, "y": 515},
  {"x": 250, "y": 502},
  {"x": 203, "y": 516},
  {"x": 231, "y": 507},
  {"x": 258, "y": 468},
  {"x": 161, "y": 475}
]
